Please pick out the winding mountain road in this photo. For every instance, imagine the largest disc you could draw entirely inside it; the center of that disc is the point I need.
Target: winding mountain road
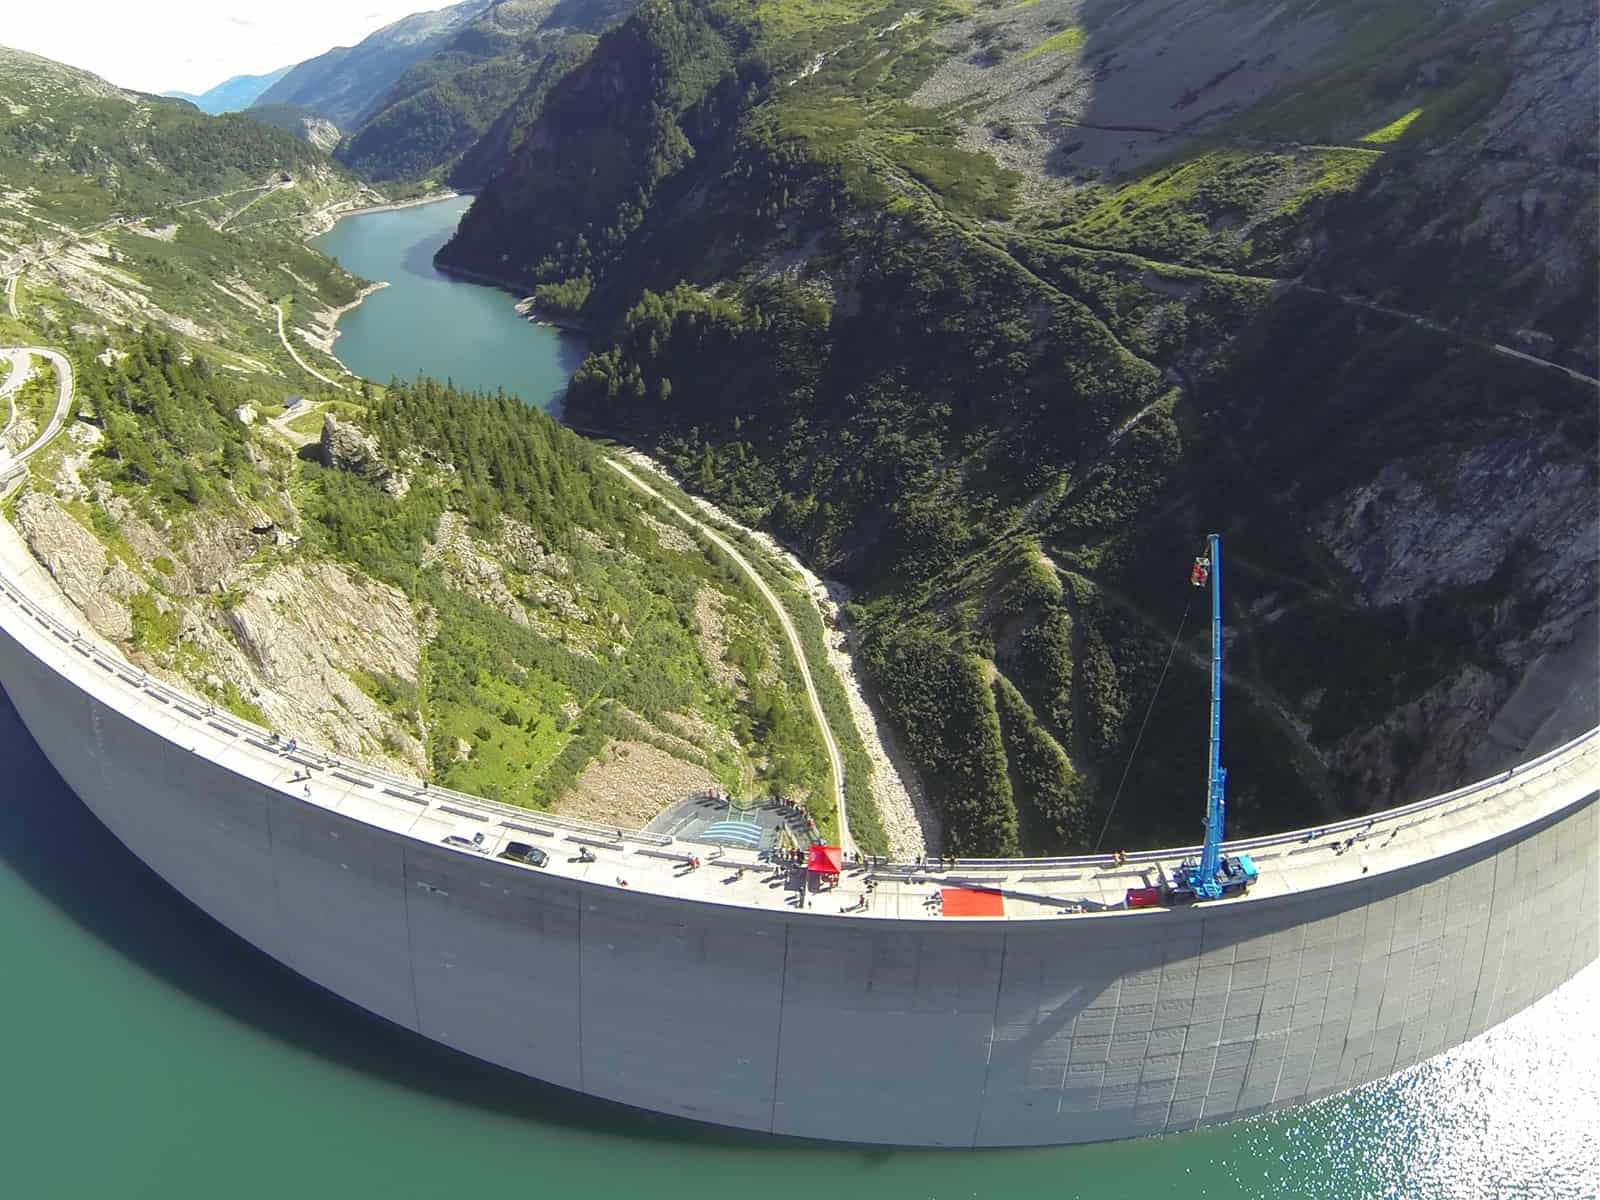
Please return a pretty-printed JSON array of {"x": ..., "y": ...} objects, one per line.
[
  {"x": 835, "y": 760},
  {"x": 251, "y": 203},
  {"x": 294, "y": 354},
  {"x": 21, "y": 369},
  {"x": 10, "y": 475}
]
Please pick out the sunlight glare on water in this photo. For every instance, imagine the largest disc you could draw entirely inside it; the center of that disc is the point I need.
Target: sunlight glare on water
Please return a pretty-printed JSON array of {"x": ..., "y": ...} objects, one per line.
[{"x": 1512, "y": 1115}]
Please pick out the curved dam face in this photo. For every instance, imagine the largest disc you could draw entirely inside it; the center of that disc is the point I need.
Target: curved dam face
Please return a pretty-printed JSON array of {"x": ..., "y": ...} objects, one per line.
[{"x": 707, "y": 995}]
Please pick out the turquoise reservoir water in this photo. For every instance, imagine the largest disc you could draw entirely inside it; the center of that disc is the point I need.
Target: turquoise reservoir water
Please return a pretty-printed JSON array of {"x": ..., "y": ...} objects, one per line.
[
  {"x": 148, "y": 1053},
  {"x": 426, "y": 321}
]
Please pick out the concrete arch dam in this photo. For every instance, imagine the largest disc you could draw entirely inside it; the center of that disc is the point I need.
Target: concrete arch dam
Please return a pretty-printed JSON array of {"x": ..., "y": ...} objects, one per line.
[{"x": 863, "y": 1014}]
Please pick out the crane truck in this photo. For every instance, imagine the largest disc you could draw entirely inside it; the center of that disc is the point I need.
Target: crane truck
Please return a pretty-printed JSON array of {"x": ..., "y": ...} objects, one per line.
[{"x": 1215, "y": 874}]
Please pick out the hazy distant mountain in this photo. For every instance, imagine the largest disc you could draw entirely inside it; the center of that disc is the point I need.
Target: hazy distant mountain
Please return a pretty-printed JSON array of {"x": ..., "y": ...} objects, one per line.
[
  {"x": 232, "y": 94},
  {"x": 343, "y": 83}
]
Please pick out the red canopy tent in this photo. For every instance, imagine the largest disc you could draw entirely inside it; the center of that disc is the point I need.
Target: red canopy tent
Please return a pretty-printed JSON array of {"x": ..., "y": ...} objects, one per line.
[{"x": 825, "y": 860}]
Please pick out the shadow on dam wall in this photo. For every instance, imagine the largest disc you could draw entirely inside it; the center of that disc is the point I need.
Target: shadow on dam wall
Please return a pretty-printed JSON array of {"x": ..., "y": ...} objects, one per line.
[{"x": 58, "y": 848}]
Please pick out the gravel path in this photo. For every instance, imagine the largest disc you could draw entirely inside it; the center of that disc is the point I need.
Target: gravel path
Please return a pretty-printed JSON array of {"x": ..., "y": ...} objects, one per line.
[
  {"x": 835, "y": 760},
  {"x": 908, "y": 819},
  {"x": 304, "y": 365}
]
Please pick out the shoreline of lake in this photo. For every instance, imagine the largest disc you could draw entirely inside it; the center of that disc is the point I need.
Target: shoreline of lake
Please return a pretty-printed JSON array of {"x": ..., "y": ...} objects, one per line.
[
  {"x": 333, "y": 216},
  {"x": 414, "y": 325},
  {"x": 334, "y": 316},
  {"x": 525, "y": 306}
]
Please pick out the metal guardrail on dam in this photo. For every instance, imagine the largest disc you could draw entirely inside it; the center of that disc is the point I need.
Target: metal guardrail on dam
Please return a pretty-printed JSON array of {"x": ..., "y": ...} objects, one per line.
[
  {"x": 1022, "y": 872},
  {"x": 197, "y": 709},
  {"x": 739, "y": 998}
]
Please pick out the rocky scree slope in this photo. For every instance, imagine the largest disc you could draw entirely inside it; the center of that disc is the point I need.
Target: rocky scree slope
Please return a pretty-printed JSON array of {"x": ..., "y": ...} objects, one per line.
[{"x": 995, "y": 312}]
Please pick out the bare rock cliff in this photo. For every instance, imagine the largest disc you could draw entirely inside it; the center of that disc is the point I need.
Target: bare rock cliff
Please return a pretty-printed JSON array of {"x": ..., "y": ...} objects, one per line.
[{"x": 94, "y": 581}]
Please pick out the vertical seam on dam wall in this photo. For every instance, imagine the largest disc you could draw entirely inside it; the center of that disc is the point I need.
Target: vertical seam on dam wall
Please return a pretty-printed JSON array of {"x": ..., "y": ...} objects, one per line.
[
  {"x": 1155, "y": 1012},
  {"x": 1277, "y": 1079},
  {"x": 272, "y": 863},
  {"x": 777, "y": 1057},
  {"x": 1492, "y": 1000},
  {"x": 1483, "y": 953},
  {"x": 1214, "y": 1050},
  {"x": 583, "y": 905},
  {"x": 411, "y": 947},
  {"x": 994, "y": 1021},
  {"x": 99, "y": 742}
]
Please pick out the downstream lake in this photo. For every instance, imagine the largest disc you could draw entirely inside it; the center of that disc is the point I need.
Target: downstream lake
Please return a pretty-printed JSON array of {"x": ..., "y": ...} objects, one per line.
[
  {"x": 429, "y": 322},
  {"x": 151, "y": 1054}
]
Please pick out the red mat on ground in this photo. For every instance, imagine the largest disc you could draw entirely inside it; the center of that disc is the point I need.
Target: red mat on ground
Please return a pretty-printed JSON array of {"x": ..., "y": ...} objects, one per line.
[{"x": 972, "y": 902}]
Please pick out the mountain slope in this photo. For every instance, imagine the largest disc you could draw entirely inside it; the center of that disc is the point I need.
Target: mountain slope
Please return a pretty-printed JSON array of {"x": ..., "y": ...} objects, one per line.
[
  {"x": 443, "y": 105},
  {"x": 452, "y": 584},
  {"x": 344, "y": 82},
  {"x": 301, "y": 122},
  {"x": 504, "y": 136},
  {"x": 996, "y": 313},
  {"x": 127, "y": 209},
  {"x": 67, "y": 135},
  {"x": 233, "y": 94}
]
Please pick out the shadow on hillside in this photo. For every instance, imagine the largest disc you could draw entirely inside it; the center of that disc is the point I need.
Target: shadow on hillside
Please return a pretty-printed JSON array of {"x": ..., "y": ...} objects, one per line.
[
  {"x": 1148, "y": 81},
  {"x": 55, "y": 844}
]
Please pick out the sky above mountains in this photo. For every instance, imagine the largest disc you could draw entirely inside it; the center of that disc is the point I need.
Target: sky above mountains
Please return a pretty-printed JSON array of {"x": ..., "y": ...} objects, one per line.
[{"x": 193, "y": 45}]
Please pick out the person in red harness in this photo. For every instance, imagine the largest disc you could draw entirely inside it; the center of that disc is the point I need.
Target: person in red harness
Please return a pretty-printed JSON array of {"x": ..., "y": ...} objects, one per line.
[{"x": 1201, "y": 571}]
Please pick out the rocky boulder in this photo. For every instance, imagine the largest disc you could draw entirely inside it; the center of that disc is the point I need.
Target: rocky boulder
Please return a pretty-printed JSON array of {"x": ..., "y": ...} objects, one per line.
[{"x": 343, "y": 447}]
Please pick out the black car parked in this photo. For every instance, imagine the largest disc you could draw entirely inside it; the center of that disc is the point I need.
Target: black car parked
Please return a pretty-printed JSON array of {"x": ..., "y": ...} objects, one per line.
[{"x": 523, "y": 853}]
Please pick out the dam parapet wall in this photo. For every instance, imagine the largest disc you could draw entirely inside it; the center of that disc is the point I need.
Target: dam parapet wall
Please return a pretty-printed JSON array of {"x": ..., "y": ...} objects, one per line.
[{"x": 723, "y": 994}]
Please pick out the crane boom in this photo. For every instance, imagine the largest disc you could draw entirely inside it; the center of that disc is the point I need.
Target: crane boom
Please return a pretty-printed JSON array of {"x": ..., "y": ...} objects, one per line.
[
  {"x": 1217, "y": 778},
  {"x": 1214, "y": 875}
]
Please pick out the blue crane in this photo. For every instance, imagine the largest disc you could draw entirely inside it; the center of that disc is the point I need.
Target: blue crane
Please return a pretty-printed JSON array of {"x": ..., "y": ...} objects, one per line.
[{"x": 1215, "y": 875}]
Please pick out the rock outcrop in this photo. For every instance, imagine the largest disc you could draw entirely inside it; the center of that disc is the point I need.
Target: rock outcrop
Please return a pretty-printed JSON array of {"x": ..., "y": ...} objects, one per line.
[
  {"x": 298, "y": 639},
  {"x": 513, "y": 574},
  {"x": 1518, "y": 515},
  {"x": 90, "y": 577},
  {"x": 345, "y": 448}
]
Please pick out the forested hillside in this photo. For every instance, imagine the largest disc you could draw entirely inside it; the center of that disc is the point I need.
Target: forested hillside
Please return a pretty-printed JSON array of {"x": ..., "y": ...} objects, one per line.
[
  {"x": 995, "y": 313},
  {"x": 445, "y": 105},
  {"x": 72, "y": 134},
  {"x": 448, "y": 582}
]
